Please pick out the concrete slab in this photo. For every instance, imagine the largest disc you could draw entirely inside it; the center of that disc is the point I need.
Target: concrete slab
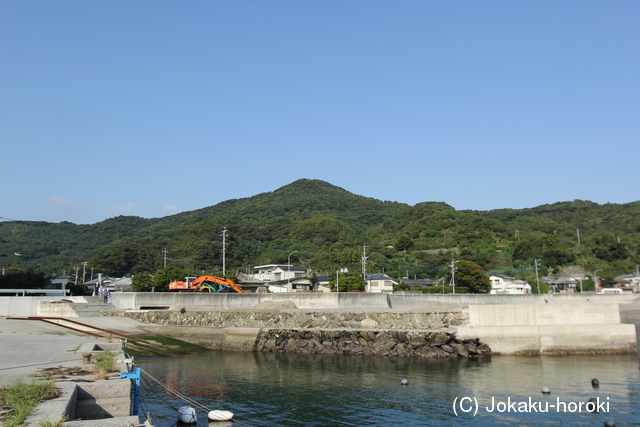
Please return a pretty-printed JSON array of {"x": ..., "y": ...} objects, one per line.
[
  {"x": 23, "y": 355},
  {"x": 27, "y": 346}
]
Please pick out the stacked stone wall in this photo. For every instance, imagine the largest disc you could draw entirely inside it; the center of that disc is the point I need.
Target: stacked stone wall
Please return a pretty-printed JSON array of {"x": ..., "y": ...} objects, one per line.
[
  {"x": 436, "y": 344},
  {"x": 301, "y": 319}
]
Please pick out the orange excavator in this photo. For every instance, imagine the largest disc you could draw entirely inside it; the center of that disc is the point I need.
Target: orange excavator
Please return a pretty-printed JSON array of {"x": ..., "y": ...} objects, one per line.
[{"x": 206, "y": 283}]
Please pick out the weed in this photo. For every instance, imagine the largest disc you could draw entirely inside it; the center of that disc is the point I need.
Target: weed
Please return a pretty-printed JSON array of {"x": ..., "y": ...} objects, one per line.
[
  {"x": 47, "y": 423},
  {"x": 104, "y": 364},
  {"x": 22, "y": 398}
]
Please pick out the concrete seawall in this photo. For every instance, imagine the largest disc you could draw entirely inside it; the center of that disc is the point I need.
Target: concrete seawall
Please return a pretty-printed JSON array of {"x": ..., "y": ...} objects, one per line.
[
  {"x": 28, "y": 306},
  {"x": 551, "y": 328},
  {"x": 343, "y": 301},
  {"x": 509, "y": 324}
]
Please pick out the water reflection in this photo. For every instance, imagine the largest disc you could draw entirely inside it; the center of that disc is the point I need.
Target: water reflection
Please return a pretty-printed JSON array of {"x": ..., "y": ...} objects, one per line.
[{"x": 277, "y": 389}]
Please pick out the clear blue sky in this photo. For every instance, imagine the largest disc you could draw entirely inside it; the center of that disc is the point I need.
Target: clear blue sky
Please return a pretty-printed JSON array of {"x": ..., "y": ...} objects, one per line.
[{"x": 150, "y": 108}]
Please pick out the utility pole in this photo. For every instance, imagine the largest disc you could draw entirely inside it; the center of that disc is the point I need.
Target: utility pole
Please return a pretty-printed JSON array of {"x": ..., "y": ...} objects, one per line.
[
  {"x": 165, "y": 258},
  {"x": 578, "y": 233},
  {"x": 364, "y": 264},
  {"x": 224, "y": 251},
  {"x": 537, "y": 264},
  {"x": 84, "y": 267},
  {"x": 453, "y": 274}
]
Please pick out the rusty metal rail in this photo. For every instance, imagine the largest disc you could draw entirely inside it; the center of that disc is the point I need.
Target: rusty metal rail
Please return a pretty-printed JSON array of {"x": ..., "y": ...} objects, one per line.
[{"x": 52, "y": 321}]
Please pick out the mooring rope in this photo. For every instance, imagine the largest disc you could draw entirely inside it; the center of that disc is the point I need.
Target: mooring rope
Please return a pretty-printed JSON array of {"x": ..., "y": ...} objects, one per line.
[
  {"x": 183, "y": 397},
  {"x": 177, "y": 393}
]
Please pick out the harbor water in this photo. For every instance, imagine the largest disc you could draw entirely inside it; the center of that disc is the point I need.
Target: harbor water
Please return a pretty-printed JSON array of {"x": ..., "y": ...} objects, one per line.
[{"x": 280, "y": 389}]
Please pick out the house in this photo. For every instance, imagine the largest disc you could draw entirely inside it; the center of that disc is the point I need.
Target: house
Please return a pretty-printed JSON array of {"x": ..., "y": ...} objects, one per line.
[
  {"x": 568, "y": 282},
  {"x": 323, "y": 283},
  {"x": 248, "y": 282},
  {"x": 120, "y": 285},
  {"x": 501, "y": 284},
  {"x": 276, "y": 272},
  {"x": 562, "y": 285},
  {"x": 60, "y": 282},
  {"x": 628, "y": 282},
  {"x": 417, "y": 284},
  {"x": 379, "y": 283},
  {"x": 93, "y": 283}
]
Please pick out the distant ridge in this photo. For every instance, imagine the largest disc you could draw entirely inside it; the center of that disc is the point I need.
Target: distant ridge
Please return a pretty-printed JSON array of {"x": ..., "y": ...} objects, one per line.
[{"x": 313, "y": 219}]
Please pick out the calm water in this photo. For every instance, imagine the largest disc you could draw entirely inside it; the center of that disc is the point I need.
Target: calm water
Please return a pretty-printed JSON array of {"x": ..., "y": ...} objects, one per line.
[{"x": 268, "y": 389}]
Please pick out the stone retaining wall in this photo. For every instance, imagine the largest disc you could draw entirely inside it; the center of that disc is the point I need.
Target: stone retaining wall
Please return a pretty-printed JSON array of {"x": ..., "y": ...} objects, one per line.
[
  {"x": 436, "y": 344},
  {"x": 295, "y": 319}
]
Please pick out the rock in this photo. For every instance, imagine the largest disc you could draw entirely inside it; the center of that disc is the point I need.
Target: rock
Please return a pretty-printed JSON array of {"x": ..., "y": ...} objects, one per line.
[
  {"x": 447, "y": 349},
  {"x": 369, "y": 324},
  {"x": 484, "y": 349},
  {"x": 460, "y": 349},
  {"x": 471, "y": 348}
]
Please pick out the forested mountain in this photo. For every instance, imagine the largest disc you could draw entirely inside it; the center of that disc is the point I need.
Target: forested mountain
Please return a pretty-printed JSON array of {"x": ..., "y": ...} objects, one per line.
[{"x": 325, "y": 227}]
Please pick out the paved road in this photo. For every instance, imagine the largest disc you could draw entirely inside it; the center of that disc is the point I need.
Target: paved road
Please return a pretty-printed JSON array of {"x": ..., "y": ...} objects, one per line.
[{"x": 27, "y": 346}]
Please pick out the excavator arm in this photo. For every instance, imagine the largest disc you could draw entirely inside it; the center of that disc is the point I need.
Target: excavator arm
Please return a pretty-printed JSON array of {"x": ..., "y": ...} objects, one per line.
[{"x": 197, "y": 283}]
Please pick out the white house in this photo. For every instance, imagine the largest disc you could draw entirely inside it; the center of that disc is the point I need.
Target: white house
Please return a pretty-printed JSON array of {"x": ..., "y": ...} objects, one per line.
[
  {"x": 276, "y": 273},
  {"x": 628, "y": 282},
  {"x": 501, "y": 284},
  {"x": 379, "y": 283}
]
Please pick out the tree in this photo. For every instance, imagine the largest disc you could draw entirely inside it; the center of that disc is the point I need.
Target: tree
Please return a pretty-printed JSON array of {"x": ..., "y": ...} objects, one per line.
[
  {"x": 557, "y": 257},
  {"x": 18, "y": 279},
  {"x": 166, "y": 275},
  {"x": 76, "y": 290},
  {"x": 348, "y": 282},
  {"x": 612, "y": 252},
  {"x": 404, "y": 243},
  {"x": 470, "y": 274},
  {"x": 142, "y": 282}
]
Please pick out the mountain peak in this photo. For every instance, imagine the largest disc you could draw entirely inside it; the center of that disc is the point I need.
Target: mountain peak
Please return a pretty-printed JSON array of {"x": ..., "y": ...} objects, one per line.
[{"x": 313, "y": 186}]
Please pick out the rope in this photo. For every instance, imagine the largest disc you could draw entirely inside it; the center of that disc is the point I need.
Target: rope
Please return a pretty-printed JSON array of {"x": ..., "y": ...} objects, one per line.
[
  {"x": 182, "y": 396},
  {"x": 177, "y": 393}
]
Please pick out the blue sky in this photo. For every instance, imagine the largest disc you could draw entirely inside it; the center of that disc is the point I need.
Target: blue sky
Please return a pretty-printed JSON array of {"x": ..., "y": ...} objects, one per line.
[{"x": 150, "y": 108}]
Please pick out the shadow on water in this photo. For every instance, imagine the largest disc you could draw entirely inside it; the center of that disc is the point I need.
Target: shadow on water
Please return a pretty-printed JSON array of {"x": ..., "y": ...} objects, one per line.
[{"x": 283, "y": 389}]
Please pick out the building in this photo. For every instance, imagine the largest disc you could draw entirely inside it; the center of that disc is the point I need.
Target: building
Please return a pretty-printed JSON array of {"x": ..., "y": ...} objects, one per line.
[
  {"x": 379, "y": 283},
  {"x": 501, "y": 284},
  {"x": 628, "y": 282},
  {"x": 417, "y": 284},
  {"x": 275, "y": 272},
  {"x": 323, "y": 284}
]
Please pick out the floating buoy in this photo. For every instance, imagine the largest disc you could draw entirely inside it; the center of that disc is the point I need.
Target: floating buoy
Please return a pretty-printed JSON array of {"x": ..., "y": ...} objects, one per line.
[
  {"x": 187, "y": 415},
  {"x": 545, "y": 390},
  {"x": 404, "y": 382},
  {"x": 595, "y": 383},
  {"x": 220, "y": 415},
  {"x": 609, "y": 423}
]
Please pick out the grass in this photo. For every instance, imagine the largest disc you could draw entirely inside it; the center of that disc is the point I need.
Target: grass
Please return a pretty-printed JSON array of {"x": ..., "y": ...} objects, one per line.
[
  {"x": 58, "y": 423},
  {"x": 163, "y": 340},
  {"x": 22, "y": 398},
  {"x": 172, "y": 342},
  {"x": 103, "y": 365}
]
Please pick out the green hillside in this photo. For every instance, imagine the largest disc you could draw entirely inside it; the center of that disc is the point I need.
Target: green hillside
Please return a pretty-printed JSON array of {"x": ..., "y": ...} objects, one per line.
[{"x": 327, "y": 228}]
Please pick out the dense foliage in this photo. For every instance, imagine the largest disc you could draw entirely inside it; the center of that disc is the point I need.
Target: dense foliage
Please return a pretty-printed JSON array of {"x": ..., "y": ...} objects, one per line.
[{"x": 326, "y": 228}]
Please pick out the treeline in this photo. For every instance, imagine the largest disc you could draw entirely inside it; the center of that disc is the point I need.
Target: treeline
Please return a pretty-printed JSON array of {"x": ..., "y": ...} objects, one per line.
[{"x": 323, "y": 227}]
